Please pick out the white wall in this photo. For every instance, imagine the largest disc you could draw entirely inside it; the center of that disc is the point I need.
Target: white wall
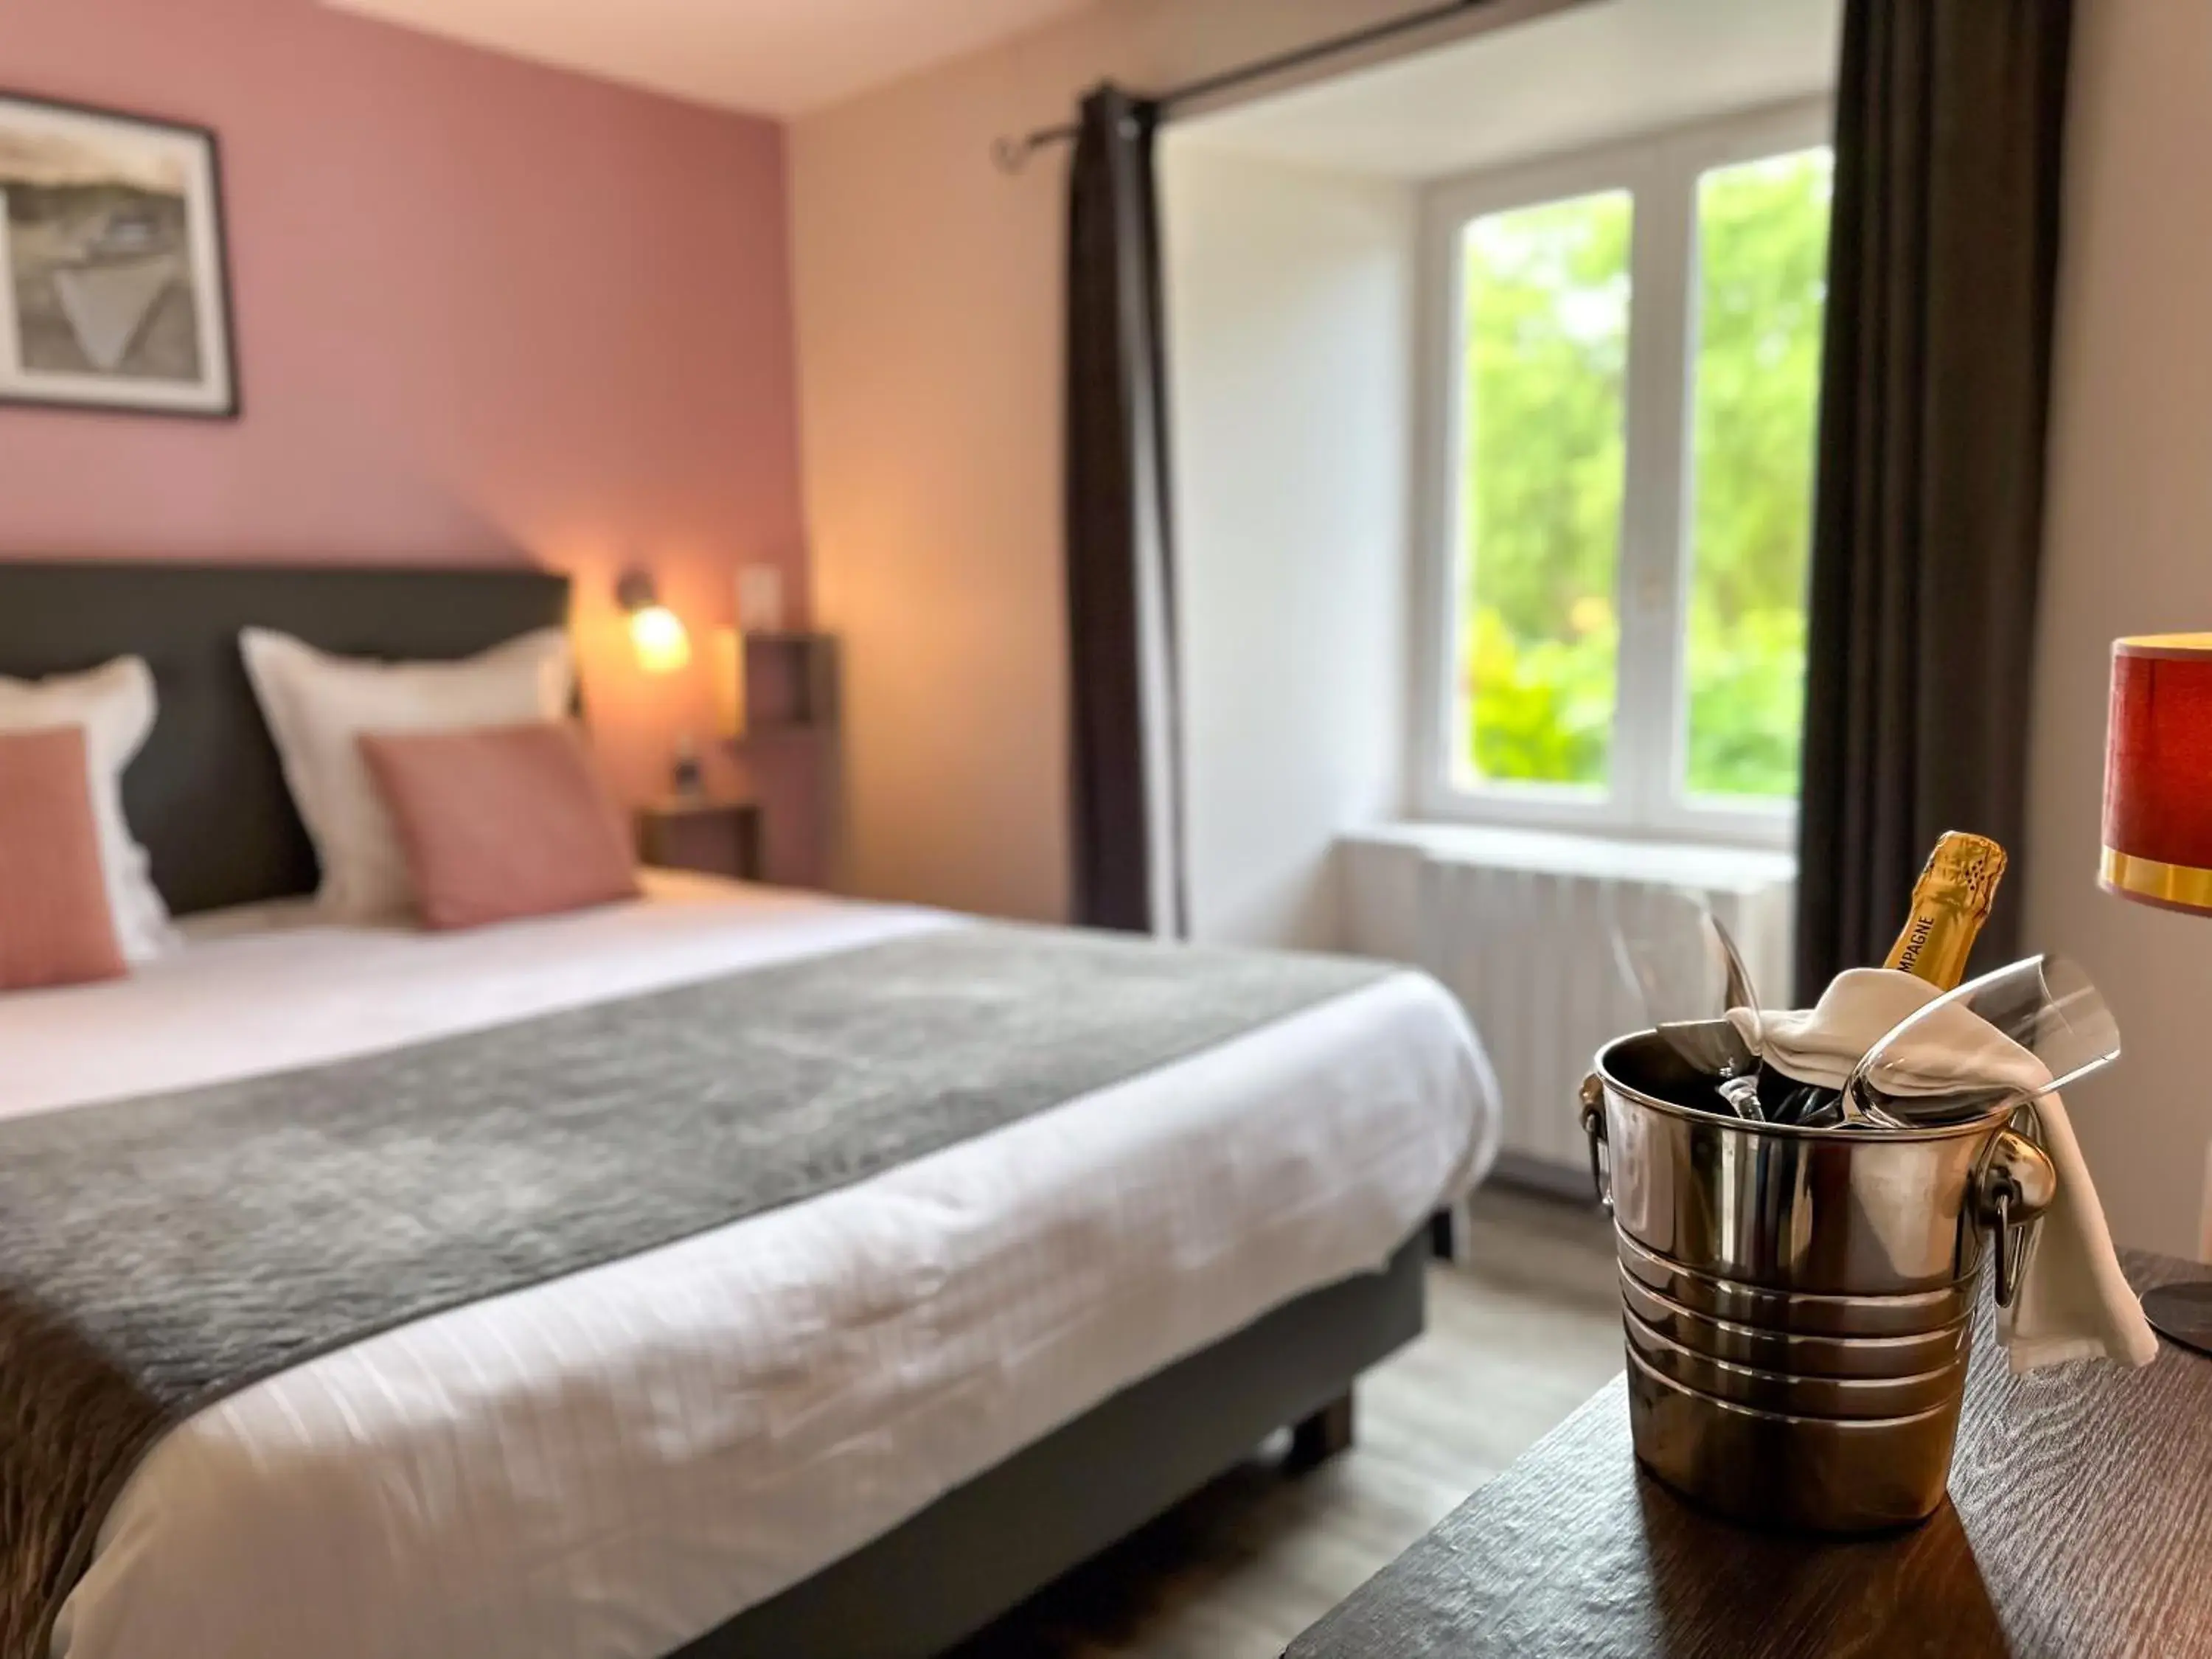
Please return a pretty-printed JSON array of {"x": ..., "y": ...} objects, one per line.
[
  {"x": 1590, "y": 75},
  {"x": 1291, "y": 308},
  {"x": 2129, "y": 550},
  {"x": 928, "y": 293}
]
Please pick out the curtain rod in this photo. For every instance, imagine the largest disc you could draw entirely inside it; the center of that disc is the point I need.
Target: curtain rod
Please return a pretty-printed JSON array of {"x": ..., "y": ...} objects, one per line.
[{"x": 1013, "y": 154}]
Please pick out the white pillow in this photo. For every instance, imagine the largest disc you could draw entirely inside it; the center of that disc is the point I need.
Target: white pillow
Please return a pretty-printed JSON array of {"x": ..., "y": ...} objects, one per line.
[
  {"x": 318, "y": 706},
  {"x": 114, "y": 704}
]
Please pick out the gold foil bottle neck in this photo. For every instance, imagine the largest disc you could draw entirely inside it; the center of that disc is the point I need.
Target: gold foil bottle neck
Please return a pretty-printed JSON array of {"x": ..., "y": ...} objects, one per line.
[
  {"x": 1950, "y": 902},
  {"x": 1969, "y": 867}
]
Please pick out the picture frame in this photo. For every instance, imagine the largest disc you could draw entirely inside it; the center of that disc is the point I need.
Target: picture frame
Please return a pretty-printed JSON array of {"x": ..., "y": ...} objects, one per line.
[{"x": 114, "y": 271}]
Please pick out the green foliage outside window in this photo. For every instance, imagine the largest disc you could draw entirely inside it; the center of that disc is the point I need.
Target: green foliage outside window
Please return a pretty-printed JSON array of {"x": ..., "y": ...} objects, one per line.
[
  {"x": 1546, "y": 298},
  {"x": 1547, "y": 369}
]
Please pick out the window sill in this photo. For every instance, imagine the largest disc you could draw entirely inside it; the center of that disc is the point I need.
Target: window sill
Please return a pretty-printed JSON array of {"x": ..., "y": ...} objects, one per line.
[{"x": 1708, "y": 867}]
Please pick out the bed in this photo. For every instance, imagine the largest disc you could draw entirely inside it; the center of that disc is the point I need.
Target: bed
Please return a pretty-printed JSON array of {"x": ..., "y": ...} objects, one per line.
[{"x": 862, "y": 1423}]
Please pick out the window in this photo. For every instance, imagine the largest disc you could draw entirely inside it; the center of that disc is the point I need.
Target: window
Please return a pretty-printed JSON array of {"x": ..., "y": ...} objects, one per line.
[{"x": 1623, "y": 389}]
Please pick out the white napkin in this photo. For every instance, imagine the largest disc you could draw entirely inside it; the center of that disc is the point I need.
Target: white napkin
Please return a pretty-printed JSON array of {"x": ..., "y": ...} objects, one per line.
[{"x": 2072, "y": 1302}]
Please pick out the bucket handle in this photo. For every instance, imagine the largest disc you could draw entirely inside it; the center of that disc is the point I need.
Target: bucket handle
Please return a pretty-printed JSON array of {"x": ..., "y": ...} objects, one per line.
[
  {"x": 2014, "y": 1185},
  {"x": 1593, "y": 1115}
]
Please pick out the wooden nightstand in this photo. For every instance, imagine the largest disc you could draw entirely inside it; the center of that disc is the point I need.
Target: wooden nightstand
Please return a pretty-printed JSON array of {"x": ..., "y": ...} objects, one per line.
[{"x": 714, "y": 837}]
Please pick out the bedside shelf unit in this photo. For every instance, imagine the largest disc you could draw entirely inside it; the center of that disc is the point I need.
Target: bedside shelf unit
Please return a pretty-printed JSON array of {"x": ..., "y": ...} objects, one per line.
[{"x": 791, "y": 684}]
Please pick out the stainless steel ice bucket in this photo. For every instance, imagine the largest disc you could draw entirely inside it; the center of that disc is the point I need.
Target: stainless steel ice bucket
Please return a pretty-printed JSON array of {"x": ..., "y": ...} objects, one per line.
[{"x": 1797, "y": 1304}]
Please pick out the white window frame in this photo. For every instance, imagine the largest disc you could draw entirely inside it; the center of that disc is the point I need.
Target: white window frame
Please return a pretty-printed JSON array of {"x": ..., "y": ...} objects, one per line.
[{"x": 1646, "y": 798}]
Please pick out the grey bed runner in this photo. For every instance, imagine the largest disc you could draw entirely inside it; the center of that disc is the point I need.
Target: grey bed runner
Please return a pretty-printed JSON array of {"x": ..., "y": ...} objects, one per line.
[{"x": 160, "y": 1253}]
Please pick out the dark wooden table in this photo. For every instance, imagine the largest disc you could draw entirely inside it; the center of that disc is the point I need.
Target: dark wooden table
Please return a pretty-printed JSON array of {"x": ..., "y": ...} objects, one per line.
[{"x": 2080, "y": 1527}]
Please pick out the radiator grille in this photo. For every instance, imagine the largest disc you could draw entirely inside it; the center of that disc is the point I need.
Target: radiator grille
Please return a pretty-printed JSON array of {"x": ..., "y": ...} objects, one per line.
[{"x": 1516, "y": 925}]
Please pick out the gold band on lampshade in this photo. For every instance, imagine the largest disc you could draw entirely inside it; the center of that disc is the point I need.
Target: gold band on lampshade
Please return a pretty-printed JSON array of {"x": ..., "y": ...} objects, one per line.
[
  {"x": 2176, "y": 886},
  {"x": 2173, "y": 647},
  {"x": 2158, "y": 772}
]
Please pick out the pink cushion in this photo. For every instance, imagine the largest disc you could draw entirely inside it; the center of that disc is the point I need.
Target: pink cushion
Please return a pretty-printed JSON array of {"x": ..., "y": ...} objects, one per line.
[
  {"x": 55, "y": 925},
  {"x": 499, "y": 822}
]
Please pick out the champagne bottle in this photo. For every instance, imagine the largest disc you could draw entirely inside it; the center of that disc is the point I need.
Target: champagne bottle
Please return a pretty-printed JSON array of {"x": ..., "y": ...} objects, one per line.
[{"x": 1950, "y": 902}]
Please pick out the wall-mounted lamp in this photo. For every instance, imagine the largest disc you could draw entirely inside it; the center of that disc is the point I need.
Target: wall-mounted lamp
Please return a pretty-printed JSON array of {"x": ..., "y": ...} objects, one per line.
[{"x": 655, "y": 631}]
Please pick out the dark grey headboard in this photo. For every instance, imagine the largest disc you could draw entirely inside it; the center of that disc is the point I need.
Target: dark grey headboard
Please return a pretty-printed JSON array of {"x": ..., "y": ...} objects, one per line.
[{"x": 206, "y": 795}]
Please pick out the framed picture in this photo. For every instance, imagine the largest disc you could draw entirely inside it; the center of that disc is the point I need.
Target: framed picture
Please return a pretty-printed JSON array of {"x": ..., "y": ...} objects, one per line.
[{"x": 112, "y": 291}]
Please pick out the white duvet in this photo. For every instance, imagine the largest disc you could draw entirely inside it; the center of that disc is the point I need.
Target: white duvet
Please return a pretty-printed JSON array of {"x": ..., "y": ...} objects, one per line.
[{"x": 612, "y": 1463}]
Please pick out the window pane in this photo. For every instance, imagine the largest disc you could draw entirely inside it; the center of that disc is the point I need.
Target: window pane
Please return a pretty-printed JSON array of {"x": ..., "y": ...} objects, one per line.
[
  {"x": 1763, "y": 253},
  {"x": 1547, "y": 329}
]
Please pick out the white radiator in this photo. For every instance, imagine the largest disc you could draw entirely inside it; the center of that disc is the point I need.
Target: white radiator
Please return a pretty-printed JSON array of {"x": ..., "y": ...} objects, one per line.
[{"x": 1516, "y": 924}]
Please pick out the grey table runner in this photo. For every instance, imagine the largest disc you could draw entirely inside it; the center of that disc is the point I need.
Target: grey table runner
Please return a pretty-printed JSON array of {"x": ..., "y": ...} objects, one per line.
[{"x": 157, "y": 1254}]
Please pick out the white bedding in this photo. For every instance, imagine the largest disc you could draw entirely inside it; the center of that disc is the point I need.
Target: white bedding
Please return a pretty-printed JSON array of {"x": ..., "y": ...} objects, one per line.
[{"x": 612, "y": 1463}]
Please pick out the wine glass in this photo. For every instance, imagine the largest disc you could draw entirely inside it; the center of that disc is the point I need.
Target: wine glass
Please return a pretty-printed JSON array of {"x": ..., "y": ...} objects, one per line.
[
  {"x": 2038, "y": 1024},
  {"x": 1689, "y": 974}
]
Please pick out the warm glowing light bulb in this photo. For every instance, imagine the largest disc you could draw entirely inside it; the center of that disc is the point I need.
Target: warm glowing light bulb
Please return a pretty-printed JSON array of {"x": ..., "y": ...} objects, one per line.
[{"x": 657, "y": 633}]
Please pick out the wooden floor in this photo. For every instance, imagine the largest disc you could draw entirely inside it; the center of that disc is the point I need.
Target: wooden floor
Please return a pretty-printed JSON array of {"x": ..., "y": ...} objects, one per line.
[{"x": 1518, "y": 1335}]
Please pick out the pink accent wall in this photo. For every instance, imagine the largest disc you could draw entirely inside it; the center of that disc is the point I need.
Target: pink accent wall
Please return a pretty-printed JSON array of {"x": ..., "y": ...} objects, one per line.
[{"x": 484, "y": 311}]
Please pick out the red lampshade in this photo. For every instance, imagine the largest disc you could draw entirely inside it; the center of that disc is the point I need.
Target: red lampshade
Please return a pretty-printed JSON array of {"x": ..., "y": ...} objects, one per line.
[{"x": 2158, "y": 772}]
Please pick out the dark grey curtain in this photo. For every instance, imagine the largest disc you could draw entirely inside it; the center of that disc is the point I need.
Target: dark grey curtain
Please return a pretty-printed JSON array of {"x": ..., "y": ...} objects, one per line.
[
  {"x": 1929, "y": 527},
  {"x": 1123, "y": 733}
]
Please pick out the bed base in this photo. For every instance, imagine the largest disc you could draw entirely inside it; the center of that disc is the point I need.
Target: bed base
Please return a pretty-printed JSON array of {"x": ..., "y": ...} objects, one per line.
[
  {"x": 1322, "y": 1435},
  {"x": 987, "y": 1546}
]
